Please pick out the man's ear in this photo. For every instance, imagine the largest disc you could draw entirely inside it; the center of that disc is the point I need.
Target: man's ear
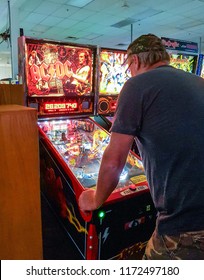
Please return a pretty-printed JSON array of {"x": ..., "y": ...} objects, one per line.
[{"x": 136, "y": 61}]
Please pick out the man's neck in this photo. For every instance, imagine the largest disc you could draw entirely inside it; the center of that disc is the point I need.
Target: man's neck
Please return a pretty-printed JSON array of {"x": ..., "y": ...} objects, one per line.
[{"x": 147, "y": 68}]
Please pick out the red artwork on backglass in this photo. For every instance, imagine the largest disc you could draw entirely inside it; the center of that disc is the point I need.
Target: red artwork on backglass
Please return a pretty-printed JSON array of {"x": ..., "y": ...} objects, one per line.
[{"x": 58, "y": 70}]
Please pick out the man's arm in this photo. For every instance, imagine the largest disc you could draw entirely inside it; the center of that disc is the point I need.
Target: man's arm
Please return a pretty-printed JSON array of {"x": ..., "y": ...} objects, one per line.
[{"x": 113, "y": 161}]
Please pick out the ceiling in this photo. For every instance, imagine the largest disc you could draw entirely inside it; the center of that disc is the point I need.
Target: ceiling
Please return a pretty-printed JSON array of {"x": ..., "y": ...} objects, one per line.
[{"x": 107, "y": 23}]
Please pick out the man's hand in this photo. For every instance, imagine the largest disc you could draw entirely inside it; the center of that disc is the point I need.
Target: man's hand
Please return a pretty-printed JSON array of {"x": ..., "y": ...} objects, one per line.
[{"x": 87, "y": 201}]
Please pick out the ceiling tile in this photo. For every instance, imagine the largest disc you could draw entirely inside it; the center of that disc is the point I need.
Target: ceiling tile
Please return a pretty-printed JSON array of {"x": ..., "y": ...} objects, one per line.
[
  {"x": 79, "y": 3},
  {"x": 58, "y": 19},
  {"x": 47, "y": 7},
  {"x": 65, "y": 11},
  {"x": 51, "y": 21},
  {"x": 35, "y": 18}
]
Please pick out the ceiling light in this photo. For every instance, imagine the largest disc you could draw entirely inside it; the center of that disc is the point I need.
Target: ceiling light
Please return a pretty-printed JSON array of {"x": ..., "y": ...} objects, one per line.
[
  {"x": 124, "y": 22},
  {"x": 78, "y": 3},
  {"x": 125, "y": 4}
]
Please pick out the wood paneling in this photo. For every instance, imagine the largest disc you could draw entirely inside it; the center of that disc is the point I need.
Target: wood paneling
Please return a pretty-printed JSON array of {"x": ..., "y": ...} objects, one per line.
[{"x": 20, "y": 210}]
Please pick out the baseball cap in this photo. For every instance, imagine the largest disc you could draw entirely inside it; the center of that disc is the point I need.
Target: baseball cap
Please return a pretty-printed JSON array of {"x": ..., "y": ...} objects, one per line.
[{"x": 146, "y": 43}]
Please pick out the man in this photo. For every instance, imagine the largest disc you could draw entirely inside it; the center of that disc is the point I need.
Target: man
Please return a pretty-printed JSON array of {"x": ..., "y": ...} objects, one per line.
[
  {"x": 163, "y": 108},
  {"x": 81, "y": 79}
]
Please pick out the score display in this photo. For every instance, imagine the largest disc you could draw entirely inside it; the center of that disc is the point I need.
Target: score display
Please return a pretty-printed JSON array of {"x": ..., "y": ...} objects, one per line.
[
  {"x": 59, "y": 77},
  {"x": 51, "y": 107}
]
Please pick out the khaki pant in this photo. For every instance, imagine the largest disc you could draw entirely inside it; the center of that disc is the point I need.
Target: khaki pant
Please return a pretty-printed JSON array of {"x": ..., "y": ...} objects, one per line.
[{"x": 185, "y": 246}]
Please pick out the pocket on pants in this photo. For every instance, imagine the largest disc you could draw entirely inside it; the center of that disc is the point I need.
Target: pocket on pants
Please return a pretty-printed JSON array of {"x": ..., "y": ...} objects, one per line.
[
  {"x": 185, "y": 246},
  {"x": 172, "y": 245},
  {"x": 162, "y": 247}
]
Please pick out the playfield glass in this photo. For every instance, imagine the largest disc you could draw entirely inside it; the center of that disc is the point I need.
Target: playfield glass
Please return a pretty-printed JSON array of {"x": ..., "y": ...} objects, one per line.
[{"x": 81, "y": 143}]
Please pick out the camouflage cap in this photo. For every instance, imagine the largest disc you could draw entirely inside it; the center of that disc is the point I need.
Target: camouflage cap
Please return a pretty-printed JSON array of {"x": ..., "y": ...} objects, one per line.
[{"x": 146, "y": 43}]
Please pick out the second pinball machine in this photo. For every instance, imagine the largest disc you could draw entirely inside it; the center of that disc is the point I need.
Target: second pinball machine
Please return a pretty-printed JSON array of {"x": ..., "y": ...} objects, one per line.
[
  {"x": 113, "y": 73},
  {"x": 60, "y": 82},
  {"x": 200, "y": 66}
]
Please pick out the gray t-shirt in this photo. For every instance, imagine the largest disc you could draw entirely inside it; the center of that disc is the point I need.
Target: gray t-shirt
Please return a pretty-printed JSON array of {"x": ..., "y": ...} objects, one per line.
[{"x": 164, "y": 109}]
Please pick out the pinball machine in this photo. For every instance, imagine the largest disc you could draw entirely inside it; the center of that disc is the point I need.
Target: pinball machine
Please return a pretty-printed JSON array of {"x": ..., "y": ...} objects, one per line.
[
  {"x": 71, "y": 148},
  {"x": 183, "y": 54},
  {"x": 113, "y": 73},
  {"x": 112, "y": 76},
  {"x": 200, "y": 66}
]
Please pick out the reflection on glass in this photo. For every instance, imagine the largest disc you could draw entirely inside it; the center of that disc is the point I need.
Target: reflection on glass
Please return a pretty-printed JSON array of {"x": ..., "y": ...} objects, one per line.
[{"x": 81, "y": 143}]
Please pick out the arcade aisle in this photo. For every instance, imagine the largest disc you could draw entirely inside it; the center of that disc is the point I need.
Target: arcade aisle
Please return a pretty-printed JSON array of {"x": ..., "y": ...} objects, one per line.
[
  {"x": 71, "y": 145},
  {"x": 56, "y": 243}
]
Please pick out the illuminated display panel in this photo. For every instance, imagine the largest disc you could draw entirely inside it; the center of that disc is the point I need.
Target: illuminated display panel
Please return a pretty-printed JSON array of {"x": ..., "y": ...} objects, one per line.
[
  {"x": 113, "y": 74},
  {"x": 57, "y": 70},
  {"x": 53, "y": 107},
  {"x": 200, "y": 66},
  {"x": 202, "y": 70},
  {"x": 184, "y": 62},
  {"x": 81, "y": 143}
]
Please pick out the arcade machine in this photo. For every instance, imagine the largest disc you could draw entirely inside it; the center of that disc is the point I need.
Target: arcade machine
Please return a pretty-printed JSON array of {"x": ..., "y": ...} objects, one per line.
[
  {"x": 71, "y": 148},
  {"x": 113, "y": 73},
  {"x": 112, "y": 76},
  {"x": 183, "y": 54},
  {"x": 200, "y": 66}
]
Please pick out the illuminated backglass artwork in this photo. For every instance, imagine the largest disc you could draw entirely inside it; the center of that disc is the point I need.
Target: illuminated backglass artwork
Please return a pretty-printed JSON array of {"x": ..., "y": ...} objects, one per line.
[
  {"x": 183, "y": 61},
  {"x": 53, "y": 69},
  {"x": 113, "y": 71},
  {"x": 200, "y": 66}
]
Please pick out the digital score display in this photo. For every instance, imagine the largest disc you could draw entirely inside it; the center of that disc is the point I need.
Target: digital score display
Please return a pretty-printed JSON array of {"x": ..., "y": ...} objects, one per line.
[{"x": 55, "y": 107}]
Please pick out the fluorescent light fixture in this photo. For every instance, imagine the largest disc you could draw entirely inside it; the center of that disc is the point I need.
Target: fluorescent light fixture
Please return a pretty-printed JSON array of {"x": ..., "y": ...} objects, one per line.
[
  {"x": 78, "y": 3},
  {"x": 124, "y": 22}
]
